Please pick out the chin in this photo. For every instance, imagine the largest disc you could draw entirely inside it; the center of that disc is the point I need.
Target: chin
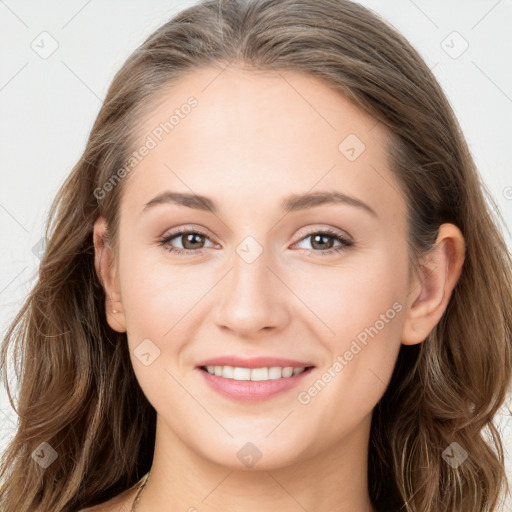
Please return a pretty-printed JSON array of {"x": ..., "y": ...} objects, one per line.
[{"x": 254, "y": 453}]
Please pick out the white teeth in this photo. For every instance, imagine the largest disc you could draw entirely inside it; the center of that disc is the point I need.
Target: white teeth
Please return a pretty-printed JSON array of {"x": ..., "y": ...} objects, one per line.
[
  {"x": 228, "y": 372},
  {"x": 241, "y": 374},
  {"x": 288, "y": 371},
  {"x": 255, "y": 374},
  {"x": 275, "y": 372},
  {"x": 259, "y": 374}
]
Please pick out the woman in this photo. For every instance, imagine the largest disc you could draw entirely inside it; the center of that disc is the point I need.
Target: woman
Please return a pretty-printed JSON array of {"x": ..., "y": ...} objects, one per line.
[{"x": 341, "y": 336}]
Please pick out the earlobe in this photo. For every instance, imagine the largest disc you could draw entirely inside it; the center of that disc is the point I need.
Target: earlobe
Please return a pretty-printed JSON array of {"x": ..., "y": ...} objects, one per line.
[
  {"x": 105, "y": 265},
  {"x": 430, "y": 292}
]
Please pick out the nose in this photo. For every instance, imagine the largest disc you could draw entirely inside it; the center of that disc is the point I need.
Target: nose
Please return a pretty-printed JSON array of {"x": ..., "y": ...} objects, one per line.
[{"x": 252, "y": 299}]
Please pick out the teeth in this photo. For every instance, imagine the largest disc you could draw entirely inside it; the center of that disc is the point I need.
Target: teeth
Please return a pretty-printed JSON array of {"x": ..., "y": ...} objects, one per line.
[
  {"x": 258, "y": 373},
  {"x": 288, "y": 371},
  {"x": 255, "y": 374}
]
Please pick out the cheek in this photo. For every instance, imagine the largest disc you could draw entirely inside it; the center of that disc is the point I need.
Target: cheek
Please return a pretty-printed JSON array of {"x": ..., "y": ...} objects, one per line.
[
  {"x": 363, "y": 307},
  {"x": 360, "y": 306},
  {"x": 156, "y": 294},
  {"x": 353, "y": 296},
  {"x": 156, "y": 298}
]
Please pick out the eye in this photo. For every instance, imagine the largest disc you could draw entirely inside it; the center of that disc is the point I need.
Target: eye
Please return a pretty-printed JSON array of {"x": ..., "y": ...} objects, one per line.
[
  {"x": 190, "y": 241},
  {"x": 320, "y": 241}
]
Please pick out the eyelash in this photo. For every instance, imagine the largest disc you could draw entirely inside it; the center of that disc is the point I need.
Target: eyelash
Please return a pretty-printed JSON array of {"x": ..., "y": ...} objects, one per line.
[{"x": 345, "y": 243}]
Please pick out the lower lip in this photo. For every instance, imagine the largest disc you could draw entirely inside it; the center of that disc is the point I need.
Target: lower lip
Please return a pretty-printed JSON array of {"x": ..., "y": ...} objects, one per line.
[{"x": 252, "y": 390}]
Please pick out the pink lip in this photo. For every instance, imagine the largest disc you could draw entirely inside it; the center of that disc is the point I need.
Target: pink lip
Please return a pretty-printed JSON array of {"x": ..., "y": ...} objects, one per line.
[
  {"x": 252, "y": 362},
  {"x": 252, "y": 391}
]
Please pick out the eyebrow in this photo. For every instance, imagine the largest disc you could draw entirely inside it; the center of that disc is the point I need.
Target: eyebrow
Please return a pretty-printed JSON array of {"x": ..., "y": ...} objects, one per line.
[{"x": 292, "y": 203}]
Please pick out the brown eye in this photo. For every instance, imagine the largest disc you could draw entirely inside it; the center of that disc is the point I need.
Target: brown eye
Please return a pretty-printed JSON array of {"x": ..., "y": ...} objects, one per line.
[
  {"x": 322, "y": 242},
  {"x": 192, "y": 241}
]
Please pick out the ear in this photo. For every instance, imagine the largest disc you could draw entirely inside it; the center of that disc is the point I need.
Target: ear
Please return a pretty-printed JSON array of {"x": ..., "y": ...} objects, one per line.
[
  {"x": 106, "y": 268},
  {"x": 430, "y": 292}
]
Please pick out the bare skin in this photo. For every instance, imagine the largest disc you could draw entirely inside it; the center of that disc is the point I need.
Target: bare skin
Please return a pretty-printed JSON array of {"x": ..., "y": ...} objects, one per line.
[{"x": 253, "y": 140}]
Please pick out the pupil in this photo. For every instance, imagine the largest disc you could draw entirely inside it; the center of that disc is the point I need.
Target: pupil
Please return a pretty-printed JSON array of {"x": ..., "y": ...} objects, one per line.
[
  {"x": 322, "y": 245},
  {"x": 189, "y": 239}
]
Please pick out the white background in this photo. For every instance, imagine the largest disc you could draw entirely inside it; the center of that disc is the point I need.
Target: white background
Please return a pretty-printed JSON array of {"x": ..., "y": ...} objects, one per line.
[{"x": 47, "y": 106}]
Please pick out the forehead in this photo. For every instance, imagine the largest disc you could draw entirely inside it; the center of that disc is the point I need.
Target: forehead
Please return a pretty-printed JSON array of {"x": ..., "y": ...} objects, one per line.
[{"x": 253, "y": 134}]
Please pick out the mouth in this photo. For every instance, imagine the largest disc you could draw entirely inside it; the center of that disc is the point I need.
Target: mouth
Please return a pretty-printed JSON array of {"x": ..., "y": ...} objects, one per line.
[{"x": 254, "y": 380}]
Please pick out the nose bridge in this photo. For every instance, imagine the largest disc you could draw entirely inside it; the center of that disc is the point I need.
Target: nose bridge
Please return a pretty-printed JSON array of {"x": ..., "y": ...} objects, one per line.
[
  {"x": 250, "y": 298},
  {"x": 251, "y": 272}
]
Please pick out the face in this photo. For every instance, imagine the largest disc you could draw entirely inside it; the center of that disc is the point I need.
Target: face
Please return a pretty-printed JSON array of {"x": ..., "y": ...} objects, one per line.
[{"x": 262, "y": 276}]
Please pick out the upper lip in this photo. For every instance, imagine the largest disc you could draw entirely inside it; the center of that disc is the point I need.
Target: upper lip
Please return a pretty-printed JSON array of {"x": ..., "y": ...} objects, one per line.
[{"x": 253, "y": 362}]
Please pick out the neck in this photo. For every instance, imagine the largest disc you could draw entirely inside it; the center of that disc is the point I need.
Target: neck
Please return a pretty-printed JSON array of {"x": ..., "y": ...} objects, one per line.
[{"x": 334, "y": 480}]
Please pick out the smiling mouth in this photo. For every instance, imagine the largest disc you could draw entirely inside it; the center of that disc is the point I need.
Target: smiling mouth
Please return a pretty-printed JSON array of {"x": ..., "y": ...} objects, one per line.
[{"x": 255, "y": 374}]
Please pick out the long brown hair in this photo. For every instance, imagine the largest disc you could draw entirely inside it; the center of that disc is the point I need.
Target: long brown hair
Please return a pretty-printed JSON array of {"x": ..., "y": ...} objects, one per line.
[{"x": 77, "y": 389}]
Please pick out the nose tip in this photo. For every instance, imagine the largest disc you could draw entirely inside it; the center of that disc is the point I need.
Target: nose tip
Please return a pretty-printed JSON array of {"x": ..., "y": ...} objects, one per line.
[{"x": 249, "y": 302}]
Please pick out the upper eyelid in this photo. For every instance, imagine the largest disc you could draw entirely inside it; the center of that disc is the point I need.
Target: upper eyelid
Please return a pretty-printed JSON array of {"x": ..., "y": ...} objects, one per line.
[
  {"x": 329, "y": 231},
  {"x": 187, "y": 229}
]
